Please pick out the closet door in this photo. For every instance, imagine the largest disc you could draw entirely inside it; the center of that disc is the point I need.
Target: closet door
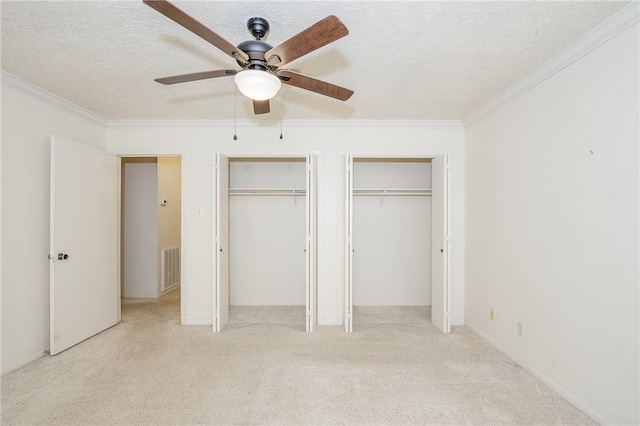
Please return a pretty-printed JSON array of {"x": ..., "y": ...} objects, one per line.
[
  {"x": 440, "y": 243},
  {"x": 348, "y": 225},
  {"x": 221, "y": 290},
  {"x": 310, "y": 248}
]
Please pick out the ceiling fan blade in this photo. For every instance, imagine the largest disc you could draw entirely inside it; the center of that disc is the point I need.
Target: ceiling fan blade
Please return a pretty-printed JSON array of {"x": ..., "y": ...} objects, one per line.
[
  {"x": 261, "y": 107},
  {"x": 181, "y": 17},
  {"x": 318, "y": 86},
  {"x": 183, "y": 78},
  {"x": 319, "y": 34}
]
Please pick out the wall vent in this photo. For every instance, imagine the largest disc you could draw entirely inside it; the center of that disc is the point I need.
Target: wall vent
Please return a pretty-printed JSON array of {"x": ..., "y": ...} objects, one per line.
[{"x": 170, "y": 267}]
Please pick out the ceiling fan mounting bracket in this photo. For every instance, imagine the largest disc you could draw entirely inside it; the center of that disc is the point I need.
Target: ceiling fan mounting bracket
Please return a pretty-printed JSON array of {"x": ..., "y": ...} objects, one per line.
[{"x": 258, "y": 27}]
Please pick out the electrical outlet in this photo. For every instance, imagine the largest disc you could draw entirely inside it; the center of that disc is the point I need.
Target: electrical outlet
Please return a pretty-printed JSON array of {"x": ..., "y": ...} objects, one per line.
[
  {"x": 520, "y": 328},
  {"x": 492, "y": 314}
]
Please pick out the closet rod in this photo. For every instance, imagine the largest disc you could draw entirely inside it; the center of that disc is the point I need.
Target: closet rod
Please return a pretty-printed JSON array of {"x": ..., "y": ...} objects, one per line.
[
  {"x": 267, "y": 191},
  {"x": 393, "y": 192}
]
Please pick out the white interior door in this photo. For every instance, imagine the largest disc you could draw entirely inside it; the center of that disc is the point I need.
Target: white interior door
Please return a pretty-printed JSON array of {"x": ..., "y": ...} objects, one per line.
[
  {"x": 348, "y": 225},
  {"x": 83, "y": 244},
  {"x": 440, "y": 243},
  {"x": 310, "y": 248},
  {"x": 221, "y": 290}
]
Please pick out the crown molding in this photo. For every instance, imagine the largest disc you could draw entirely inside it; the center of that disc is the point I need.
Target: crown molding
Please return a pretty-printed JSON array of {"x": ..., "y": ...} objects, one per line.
[
  {"x": 27, "y": 88},
  {"x": 618, "y": 23},
  {"x": 425, "y": 124}
]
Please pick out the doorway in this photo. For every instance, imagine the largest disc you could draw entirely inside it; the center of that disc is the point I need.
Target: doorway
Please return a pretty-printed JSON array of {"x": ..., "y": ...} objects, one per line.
[
  {"x": 150, "y": 252},
  {"x": 86, "y": 232},
  {"x": 265, "y": 241},
  {"x": 396, "y": 245}
]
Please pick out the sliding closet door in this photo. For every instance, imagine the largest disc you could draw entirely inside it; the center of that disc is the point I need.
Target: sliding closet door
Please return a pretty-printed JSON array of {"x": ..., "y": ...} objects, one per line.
[
  {"x": 221, "y": 290},
  {"x": 348, "y": 209},
  {"x": 310, "y": 248},
  {"x": 440, "y": 243}
]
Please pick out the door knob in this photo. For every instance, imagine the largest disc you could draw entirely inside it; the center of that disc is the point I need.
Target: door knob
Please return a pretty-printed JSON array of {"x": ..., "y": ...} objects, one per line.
[{"x": 63, "y": 256}]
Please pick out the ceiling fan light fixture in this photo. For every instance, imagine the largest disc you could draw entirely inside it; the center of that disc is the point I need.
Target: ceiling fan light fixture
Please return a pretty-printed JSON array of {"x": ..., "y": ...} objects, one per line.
[{"x": 257, "y": 85}]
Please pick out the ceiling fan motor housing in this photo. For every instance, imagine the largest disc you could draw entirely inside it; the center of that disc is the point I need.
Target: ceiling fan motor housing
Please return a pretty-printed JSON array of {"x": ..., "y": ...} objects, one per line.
[{"x": 255, "y": 49}]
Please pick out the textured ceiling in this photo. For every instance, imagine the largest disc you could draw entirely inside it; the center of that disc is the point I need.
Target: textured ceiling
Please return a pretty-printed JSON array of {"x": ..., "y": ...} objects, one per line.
[{"x": 405, "y": 60}]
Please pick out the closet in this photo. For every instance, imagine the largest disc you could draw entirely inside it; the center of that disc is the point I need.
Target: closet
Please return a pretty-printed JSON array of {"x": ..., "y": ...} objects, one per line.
[
  {"x": 396, "y": 245},
  {"x": 264, "y": 240}
]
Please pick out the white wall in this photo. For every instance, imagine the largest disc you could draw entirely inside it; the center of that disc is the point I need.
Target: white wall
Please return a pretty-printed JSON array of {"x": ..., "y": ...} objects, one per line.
[
  {"x": 169, "y": 216},
  {"x": 198, "y": 141},
  {"x": 140, "y": 229},
  {"x": 267, "y": 240},
  {"x": 278, "y": 173},
  {"x": 391, "y": 235},
  {"x": 267, "y": 234},
  {"x": 27, "y": 125},
  {"x": 148, "y": 225},
  {"x": 552, "y": 230},
  {"x": 392, "y": 251}
]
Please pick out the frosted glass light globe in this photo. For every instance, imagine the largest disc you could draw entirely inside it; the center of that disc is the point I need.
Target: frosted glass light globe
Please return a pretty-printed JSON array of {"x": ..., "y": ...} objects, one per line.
[{"x": 257, "y": 85}]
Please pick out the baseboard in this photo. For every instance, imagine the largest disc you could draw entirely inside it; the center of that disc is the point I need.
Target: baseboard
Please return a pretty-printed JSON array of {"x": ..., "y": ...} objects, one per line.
[
  {"x": 141, "y": 296},
  {"x": 544, "y": 379},
  {"x": 169, "y": 290},
  {"x": 196, "y": 322},
  {"x": 23, "y": 362}
]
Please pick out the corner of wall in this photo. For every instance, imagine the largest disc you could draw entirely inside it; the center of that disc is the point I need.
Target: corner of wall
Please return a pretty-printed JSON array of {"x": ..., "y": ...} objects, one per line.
[
  {"x": 619, "y": 22},
  {"x": 34, "y": 91}
]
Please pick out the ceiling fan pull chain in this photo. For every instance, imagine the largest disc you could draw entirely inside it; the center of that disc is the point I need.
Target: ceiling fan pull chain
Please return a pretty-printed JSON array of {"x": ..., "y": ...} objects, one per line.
[
  {"x": 235, "y": 113},
  {"x": 281, "y": 114}
]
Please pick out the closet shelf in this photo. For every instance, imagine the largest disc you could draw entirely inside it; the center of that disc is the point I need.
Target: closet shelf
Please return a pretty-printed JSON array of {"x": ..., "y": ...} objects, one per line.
[
  {"x": 267, "y": 191},
  {"x": 393, "y": 192}
]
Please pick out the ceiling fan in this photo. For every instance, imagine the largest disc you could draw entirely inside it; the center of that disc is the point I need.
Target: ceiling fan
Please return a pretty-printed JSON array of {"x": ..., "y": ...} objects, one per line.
[{"x": 260, "y": 76}]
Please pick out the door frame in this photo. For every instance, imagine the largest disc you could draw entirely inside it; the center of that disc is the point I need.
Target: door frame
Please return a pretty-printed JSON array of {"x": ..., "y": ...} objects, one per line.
[
  {"x": 311, "y": 312},
  {"x": 182, "y": 225},
  {"x": 349, "y": 160}
]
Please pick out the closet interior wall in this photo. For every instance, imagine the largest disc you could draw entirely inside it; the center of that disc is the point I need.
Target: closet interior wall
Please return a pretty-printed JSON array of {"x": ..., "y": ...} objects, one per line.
[
  {"x": 267, "y": 237},
  {"x": 392, "y": 240}
]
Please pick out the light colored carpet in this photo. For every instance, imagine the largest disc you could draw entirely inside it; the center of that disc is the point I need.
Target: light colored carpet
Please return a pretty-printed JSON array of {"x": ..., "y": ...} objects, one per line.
[
  {"x": 365, "y": 317},
  {"x": 151, "y": 370},
  {"x": 290, "y": 316}
]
